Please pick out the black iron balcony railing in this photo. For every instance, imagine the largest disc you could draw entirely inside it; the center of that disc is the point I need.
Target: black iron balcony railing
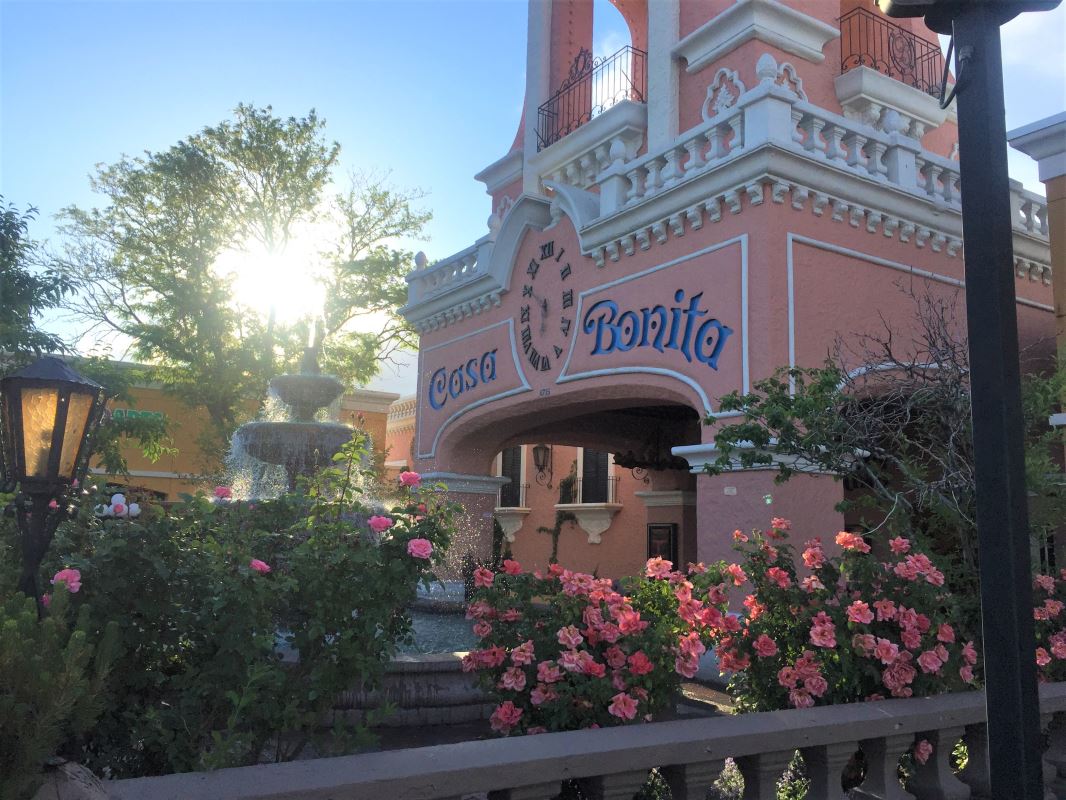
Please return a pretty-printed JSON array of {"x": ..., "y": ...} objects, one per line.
[
  {"x": 869, "y": 40},
  {"x": 604, "y": 490},
  {"x": 593, "y": 86},
  {"x": 512, "y": 495}
]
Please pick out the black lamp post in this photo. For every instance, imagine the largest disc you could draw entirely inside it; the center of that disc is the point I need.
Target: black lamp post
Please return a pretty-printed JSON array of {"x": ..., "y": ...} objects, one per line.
[
  {"x": 1014, "y": 741},
  {"x": 48, "y": 413}
]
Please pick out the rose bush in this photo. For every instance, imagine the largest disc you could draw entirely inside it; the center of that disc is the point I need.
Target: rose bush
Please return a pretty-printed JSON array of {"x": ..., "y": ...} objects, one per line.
[
  {"x": 1049, "y": 602},
  {"x": 564, "y": 650},
  {"x": 852, "y": 628},
  {"x": 242, "y": 622}
]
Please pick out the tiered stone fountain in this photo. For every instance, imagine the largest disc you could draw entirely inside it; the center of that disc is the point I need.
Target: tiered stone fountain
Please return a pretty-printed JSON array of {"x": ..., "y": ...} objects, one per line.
[{"x": 300, "y": 445}]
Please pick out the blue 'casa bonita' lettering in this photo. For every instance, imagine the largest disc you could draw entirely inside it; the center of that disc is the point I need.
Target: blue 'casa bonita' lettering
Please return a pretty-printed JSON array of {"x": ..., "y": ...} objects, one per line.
[
  {"x": 444, "y": 384},
  {"x": 659, "y": 327}
]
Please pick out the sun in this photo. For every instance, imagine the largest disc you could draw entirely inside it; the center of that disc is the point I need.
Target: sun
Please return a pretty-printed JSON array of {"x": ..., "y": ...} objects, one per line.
[{"x": 284, "y": 282}]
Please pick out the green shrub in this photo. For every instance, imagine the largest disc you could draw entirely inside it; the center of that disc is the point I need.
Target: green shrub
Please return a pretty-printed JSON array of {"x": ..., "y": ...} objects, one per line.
[{"x": 50, "y": 685}]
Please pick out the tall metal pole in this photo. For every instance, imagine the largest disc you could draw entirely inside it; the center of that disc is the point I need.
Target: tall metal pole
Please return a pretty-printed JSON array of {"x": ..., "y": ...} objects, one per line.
[{"x": 1002, "y": 516}]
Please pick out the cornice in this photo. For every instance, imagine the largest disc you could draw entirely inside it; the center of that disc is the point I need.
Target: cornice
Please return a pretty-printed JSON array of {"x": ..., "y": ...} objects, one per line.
[
  {"x": 764, "y": 20},
  {"x": 466, "y": 484},
  {"x": 501, "y": 172}
]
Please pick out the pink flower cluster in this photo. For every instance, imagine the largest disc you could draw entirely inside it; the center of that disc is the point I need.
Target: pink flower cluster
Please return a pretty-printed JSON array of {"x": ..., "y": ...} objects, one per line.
[
  {"x": 1049, "y": 601},
  {"x": 890, "y": 613},
  {"x": 547, "y": 639}
]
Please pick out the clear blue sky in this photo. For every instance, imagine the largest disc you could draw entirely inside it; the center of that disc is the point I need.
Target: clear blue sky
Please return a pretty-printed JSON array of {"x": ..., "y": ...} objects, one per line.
[{"x": 430, "y": 90}]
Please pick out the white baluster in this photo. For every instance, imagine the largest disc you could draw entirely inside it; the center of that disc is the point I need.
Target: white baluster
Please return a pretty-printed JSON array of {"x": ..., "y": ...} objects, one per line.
[
  {"x": 833, "y": 135},
  {"x": 934, "y": 779},
  {"x": 853, "y": 144},
  {"x": 762, "y": 772},
  {"x": 694, "y": 146},
  {"x": 636, "y": 184},
  {"x": 671, "y": 174},
  {"x": 875, "y": 153},
  {"x": 691, "y": 781},
  {"x": 736, "y": 125},
  {"x": 812, "y": 127},
  {"x": 825, "y": 766},
  {"x": 882, "y": 765}
]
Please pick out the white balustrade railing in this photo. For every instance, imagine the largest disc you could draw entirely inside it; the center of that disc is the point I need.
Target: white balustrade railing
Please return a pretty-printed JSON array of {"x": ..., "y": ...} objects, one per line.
[{"x": 689, "y": 755}]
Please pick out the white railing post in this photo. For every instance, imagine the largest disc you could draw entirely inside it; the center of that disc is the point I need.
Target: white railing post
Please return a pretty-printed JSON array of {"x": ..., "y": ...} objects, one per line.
[
  {"x": 882, "y": 766},
  {"x": 691, "y": 781},
  {"x": 825, "y": 767},
  {"x": 934, "y": 780},
  {"x": 762, "y": 772}
]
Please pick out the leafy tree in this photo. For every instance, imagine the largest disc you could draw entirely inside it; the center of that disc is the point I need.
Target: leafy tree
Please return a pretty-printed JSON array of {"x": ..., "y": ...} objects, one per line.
[
  {"x": 24, "y": 293},
  {"x": 144, "y": 264},
  {"x": 891, "y": 416}
]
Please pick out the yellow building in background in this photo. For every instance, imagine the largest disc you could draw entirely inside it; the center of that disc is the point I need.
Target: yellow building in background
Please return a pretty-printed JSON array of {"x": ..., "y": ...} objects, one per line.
[{"x": 177, "y": 473}]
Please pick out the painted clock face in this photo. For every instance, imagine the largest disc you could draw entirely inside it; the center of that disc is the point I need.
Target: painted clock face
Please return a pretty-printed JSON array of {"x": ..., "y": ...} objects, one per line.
[{"x": 545, "y": 318}]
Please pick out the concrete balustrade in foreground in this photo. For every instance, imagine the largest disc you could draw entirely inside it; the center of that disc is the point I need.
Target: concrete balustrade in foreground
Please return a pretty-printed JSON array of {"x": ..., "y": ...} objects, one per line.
[{"x": 614, "y": 763}]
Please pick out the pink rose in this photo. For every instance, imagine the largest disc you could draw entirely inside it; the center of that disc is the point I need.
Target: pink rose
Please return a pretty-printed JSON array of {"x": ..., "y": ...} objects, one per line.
[
  {"x": 852, "y": 541},
  {"x": 899, "y": 545},
  {"x": 922, "y": 751},
  {"x": 639, "y": 663},
  {"x": 379, "y": 524},
  {"x": 420, "y": 548},
  {"x": 780, "y": 524},
  {"x": 623, "y": 706},
  {"x": 523, "y": 654},
  {"x": 930, "y": 662},
  {"x": 738, "y": 536},
  {"x": 53, "y": 504},
  {"x": 46, "y": 600},
  {"x": 800, "y": 698},
  {"x": 886, "y": 651},
  {"x": 410, "y": 479},
  {"x": 813, "y": 557},
  {"x": 779, "y": 576},
  {"x": 505, "y": 717},
  {"x": 1045, "y": 582},
  {"x": 547, "y": 672},
  {"x": 816, "y": 685},
  {"x": 886, "y": 610},
  {"x": 512, "y": 567},
  {"x": 945, "y": 633},
  {"x": 514, "y": 679},
  {"x": 615, "y": 657},
  {"x": 966, "y": 673},
  {"x": 569, "y": 636},
  {"x": 71, "y": 577},
  {"x": 859, "y": 612},
  {"x": 542, "y": 694},
  {"x": 737, "y": 573},
  {"x": 811, "y": 584},
  {"x": 1042, "y": 657},
  {"x": 259, "y": 566},
  {"x": 482, "y": 628},
  {"x": 765, "y": 646},
  {"x": 223, "y": 492},
  {"x": 484, "y": 577}
]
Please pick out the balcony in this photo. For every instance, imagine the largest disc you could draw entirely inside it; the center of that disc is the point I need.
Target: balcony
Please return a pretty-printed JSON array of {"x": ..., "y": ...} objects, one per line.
[
  {"x": 593, "y": 86},
  {"x": 869, "y": 40},
  {"x": 593, "y": 504}
]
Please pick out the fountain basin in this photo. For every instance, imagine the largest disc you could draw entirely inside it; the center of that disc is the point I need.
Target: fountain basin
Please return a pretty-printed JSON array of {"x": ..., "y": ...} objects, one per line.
[
  {"x": 299, "y": 445},
  {"x": 305, "y": 393}
]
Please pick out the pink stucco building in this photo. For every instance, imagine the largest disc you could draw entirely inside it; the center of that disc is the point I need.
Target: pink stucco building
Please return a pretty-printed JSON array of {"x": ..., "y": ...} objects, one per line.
[{"x": 745, "y": 184}]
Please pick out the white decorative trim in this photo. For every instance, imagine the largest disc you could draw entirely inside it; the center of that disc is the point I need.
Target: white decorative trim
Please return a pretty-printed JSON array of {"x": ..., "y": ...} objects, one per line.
[
  {"x": 765, "y": 20},
  {"x": 502, "y": 172},
  {"x": 511, "y": 520},
  {"x": 525, "y": 387},
  {"x": 1045, "y": 142},
  {"x": 580, "y": 156},
  {"x": 538, "y": 84},
  {"x": 593, "y": 518},
  {"x": 865, "y": 94},
  {"x": 465, "y": 484},
  {"x": 742, "y": 240},
  {"x": 663, "y": 79},
  {"x": 668, "y": 498},
  {"x": 722, "y": 93},
  {"x": 701, "y": 455}
]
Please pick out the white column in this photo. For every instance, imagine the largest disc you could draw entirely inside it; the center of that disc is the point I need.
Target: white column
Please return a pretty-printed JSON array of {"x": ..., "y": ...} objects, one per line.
[
  {"x": 538, "y": 74},
  {"x": 663, "y": 22}
]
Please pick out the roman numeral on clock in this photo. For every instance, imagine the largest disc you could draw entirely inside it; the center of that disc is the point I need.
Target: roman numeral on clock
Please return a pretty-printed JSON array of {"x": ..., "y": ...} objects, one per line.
[
  {"x": 527, "y": 291},
  {"x": 568, "y": 298},
  {"x": 531, "y": 270},
  {"x": 564, "y": 326},
  {"x": 545, "y": 364},
  {"x": 560, "y": 253},
  {"x": 524, "y": 317},
  {"x": 564, "y": 273},
  {"x": 527, "y": 339},
  {"x": 547, "y": 250},
  {"x": 558, "y": 351}
]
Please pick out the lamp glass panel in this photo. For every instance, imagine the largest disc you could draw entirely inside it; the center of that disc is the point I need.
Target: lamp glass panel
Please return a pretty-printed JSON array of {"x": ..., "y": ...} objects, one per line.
[
  {"x": 38, "y": 419},
  {"x": 81, "y": 404}
]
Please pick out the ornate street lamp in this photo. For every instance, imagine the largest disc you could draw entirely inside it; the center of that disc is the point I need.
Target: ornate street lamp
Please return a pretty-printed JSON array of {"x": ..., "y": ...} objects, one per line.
[
  {"x": 542, "y": 461},
  {"x": 48, "y": 413}
]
